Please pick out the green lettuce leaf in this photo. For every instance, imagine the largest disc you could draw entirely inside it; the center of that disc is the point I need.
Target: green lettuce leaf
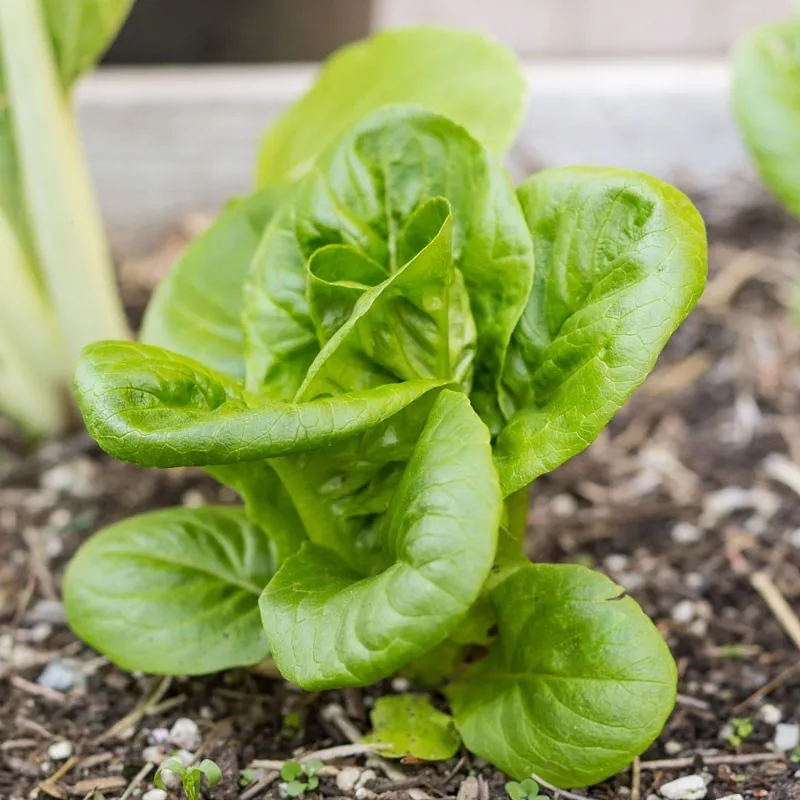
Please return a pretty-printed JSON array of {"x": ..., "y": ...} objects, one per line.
[
  {"x": 459, "y": 74},
  {"x": 578, "y": 683},
  {"x": 172, "y": 592},
  {"x": 196, "y": 310},
  {"x": 620, "y": 261},
  {"x": 160, "y": 409},
  {"x": 766, "y": 104},
  {"x": 329, "y": 625}
]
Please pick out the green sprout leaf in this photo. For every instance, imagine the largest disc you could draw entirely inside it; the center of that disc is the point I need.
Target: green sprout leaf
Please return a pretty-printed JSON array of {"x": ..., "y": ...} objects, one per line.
[
  {"x": 313, "y": 767},
  {"x": 411, "y": 726},
  {"x": 169, "y": 765},
  {"x": 296, "y": 788},
  {"x": 291, "y": 770},
  {"x": 211, "y": 770},
  {"x": 524, "y": 790}
]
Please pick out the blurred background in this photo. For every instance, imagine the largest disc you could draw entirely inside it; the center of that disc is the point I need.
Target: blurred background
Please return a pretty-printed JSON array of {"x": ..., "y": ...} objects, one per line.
[{"x": 237, "y": 31}]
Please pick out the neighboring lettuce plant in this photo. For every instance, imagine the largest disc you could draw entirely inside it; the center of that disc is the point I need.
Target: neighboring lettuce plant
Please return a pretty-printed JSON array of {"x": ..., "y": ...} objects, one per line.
[
  {"x": 380, "y": 358},
  {"x": 766, "y": 103},
  {"x": 57, "y": 287}
]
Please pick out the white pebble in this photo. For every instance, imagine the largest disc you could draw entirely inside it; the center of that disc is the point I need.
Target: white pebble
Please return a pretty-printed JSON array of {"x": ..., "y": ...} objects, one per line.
[
  {"x": 683, "y": 612},
  {"x": 732, "y": 797},
  {"x": 771, "y": 714},
  {"x": 155, "y": 794},
  {"x": 787, "y": 736},
  {"x": 616, "y": 562},
  {"x": 158, "y": 736},
  {"x": 794, "y": 538},
  {"x": 347, "y": 779},
  {"x": 690, "y": 787},
  {"x": 470, "y": 789},
  {"x": 672, "y": 748},
  {"x": 365, "y": 794},
  {"x": 367, "y": 776},
  {"x": 62, "y": 675},
  {"x": 77, "y": 478},
  {"x": 631, "y": 581},
  {"x": 60, "y": 751},
  {"x": 185, "y": 734},
  {"x": 193, "y": 498},
  {"x": 186, "y": 757},
  {"x": 685, "y": 533},
  {"x": 154, "y": 754},
  {"x": 400, "y": 685},
  {"x": 563, "y": 505}
]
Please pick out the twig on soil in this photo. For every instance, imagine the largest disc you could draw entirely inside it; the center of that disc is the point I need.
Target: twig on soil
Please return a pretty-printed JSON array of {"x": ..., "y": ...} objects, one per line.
[
  {"x": 693, "y": 702},
  {"x": 343, "y": 751},
  {"x": 151, "y": 699},
  {"x": 50, "y": 786},
  {"x": 37, "y": 691},
  {"x": 259, "y": 785},
  {"x": 137, "y": 779},
  {"x": 731, "y": 758},
  {"x": 559, "y": 792},
  {"x": 768, "y": 688},
  {"x": 636, "y": 779},
  {"x": 777, "y": 604}
]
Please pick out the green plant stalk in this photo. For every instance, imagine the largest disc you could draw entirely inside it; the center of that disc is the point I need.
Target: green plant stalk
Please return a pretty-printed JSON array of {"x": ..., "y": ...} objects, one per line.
[
  {"x": 31, "y": 384},
  {"x": 66, "y": 224}
]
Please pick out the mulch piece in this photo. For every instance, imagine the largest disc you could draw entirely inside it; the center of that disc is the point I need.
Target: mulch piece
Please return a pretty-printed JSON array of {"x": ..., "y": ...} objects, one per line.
[{"x": 692, "y": 491}]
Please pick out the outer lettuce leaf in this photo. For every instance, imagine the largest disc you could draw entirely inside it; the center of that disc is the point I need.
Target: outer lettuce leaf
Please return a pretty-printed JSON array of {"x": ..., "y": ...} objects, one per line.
[
  {"x": 196, "y": 310},
  {"x": 620, "y": 262},
  {"x": 172, "y": 592},
  {"x": 577, "y": 684},
  {"x": 159, "y": 409},
  {"x": 330, "y": 626},
  {"x": 766, "y": 103},
  {"x": 459, "y": 74}
]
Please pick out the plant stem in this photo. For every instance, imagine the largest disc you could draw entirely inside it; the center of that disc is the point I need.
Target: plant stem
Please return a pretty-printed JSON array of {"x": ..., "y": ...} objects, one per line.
[{"x": 64, "y": 218}]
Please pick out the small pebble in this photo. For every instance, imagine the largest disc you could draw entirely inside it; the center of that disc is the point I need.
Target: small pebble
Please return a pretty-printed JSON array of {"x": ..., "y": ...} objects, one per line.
[
  {"x": 347, "y": 779},
  {"x": 50, "y": 611},
  {"x": 787, "y": 736},
  {"x": 685, "y": 533},
  {"x": 365, "y": 794},
  {"x": 155, "y": 794},
  {"x": 154, "y": 754},
  {"x": 631, "y": 581},
  {"x": 77, "y": 478},
  {"x": 616, "y": 562},
  {"x": 732, "y": 797},
  {"x": 794, "y": 538},
  {"x": 563, "y": 505},
  {"x": 185, "y": 734},
  {"x": 690, "y": 787},
  {"x": 170, "y": 779},
  {"x": 60, "y": 751},
  {"x": 400, "y": 685},
  {"x": 418, "y": 794},
  {"x": 62, "y": 675},
  {"x": 771, "y": 714},
  {"x": 367, "y": 776},
  {"x": 193, "y": 498},
  {"x": 695, "y": 580},
  {"x": 186, "y": 757},
  {"x": 672, "y": 748},
  {"x": 158, "y": 736},
  {"x": 684, "y": 612},
  {"x": 469, "y": 789}
]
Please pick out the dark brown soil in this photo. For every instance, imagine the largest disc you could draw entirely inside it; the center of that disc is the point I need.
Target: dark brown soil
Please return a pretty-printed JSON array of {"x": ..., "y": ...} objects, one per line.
[{"x": 692, "y": 492}]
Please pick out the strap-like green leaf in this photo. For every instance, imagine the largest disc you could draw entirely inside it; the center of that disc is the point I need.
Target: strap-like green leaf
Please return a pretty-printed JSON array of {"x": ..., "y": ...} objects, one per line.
[
  {"x": 329, "y": 625},
  {"x": 620, "y": 262},
  {"x": 578, "y": 683},
  {"x": 172, "y": 592},
  {"x": 196, "y": 310},
  {"x": 459, "y": 74},
  {"x": 160, "y": 409},
  {"x": 766, "y": 102}
]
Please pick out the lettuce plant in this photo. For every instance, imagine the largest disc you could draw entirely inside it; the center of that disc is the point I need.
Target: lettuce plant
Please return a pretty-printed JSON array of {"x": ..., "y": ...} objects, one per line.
[
  {"x": 380, "y": 357},
  {"x": 58, "y": 289},
  {"x": 766, "y": 104}
]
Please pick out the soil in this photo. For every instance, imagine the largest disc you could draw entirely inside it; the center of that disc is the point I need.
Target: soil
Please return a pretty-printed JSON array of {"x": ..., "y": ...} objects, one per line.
[{"x": 690, "y": 500}]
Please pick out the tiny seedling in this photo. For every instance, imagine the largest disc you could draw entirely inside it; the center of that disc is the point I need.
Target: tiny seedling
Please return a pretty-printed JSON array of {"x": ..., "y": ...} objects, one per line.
[
  {"x": 300, "y": 778},
  {"x": 246, "y": 777},
  {"x": 741, "y": 729},
  {"x": 191, "y": 777},
  {"x": 527, "y": 789},
  {"x": 379, "y": 351}
]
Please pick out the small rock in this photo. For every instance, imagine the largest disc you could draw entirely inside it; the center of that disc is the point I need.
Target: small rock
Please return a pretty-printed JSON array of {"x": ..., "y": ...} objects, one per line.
[
  {"x": 563, "y": 505},
  {"x": 365, "y": 794},
  {"x": 469, "y": 790},
  {"x": 50, "y": 611},
  {"x": 418, "y": 794},
  {"x": 155, "y": 794},
  {"x": 683, "y": 612},
  {"x": 347, "y": 779},
  {"x": 685, "y": 533},
  {"x": 62, "y": 675},
  {"x": 186, "y": 757},
  {"x": 154, "y": 754},
  {"x": 794, "y": 538},
  {"x": 787, "y": 736},
  {"x": 158, "y": 736},
  {"x": 732, "y": 797},
  {"x": 616, "y": 562},
  {"x": 367, "y": 776},
  {"x": 77, "y": 478},
  {"x": 690, "y": 787},
  {"x": 400, "y": 685},
  {"x": 193, "y": 498},
  {"x": 60, "y": 751},
  {"x": 59, "y": 517},
  {"x": 185, "y": 734},
  {"x": 672, "y": 748},
  {"x": 695, "y": 580},
  {"x": 631, "y": 581},
  {"x": 170, "y": 779},
  {"x": 771, "y": 714}
]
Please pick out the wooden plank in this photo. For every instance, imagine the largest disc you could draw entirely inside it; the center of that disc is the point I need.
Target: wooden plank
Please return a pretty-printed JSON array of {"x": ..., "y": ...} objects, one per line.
[
  {"x": 594, "y": 27},
  {"x": 162, "y": 143}
]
